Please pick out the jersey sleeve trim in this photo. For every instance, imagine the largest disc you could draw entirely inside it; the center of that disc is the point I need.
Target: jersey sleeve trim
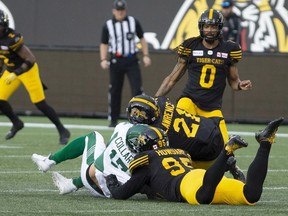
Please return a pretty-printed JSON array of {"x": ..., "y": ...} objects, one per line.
[
  {"x": 183, "y": 51},
  {"x": 17, "y": 45},
  {"x": 138, "y": 162},
  {"x": 236, "y": 55}
]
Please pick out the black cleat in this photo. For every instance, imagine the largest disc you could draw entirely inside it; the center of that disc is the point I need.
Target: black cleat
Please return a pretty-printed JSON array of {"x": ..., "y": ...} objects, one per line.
[
  {"x": 268, "y": 134},
  {"x": 236, "y": 172},
  {"x": 64, "y": 137},
  {"x": 235, "y": 142},
  {"x": 15, "y": 128}
]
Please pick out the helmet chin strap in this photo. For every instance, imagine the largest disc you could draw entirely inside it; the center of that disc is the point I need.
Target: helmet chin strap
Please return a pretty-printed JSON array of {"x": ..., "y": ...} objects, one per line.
[{"x": 209, "y": 41}]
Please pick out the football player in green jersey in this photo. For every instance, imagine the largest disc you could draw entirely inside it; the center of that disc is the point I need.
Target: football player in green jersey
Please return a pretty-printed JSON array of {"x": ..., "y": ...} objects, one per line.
[
  {"x": 169, "y": 173},
  {"x": 20, "y": 67},
  {"x": 210, "y": 61},
  {"x": 98, "y": 161}
]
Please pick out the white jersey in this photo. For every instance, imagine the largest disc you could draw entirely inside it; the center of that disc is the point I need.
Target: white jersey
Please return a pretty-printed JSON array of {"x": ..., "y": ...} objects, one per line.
[
  {"x": 111, "y": 159},
  {"x": 115, "y": 159}
]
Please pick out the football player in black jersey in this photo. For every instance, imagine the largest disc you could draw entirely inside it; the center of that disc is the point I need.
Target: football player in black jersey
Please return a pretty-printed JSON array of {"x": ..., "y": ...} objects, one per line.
[
  {"x": 199, "y": 136},
  {"x": 169, "y": 173},
  {"x": 19, "y": 67},
  {"x": 210, "y": 61}
]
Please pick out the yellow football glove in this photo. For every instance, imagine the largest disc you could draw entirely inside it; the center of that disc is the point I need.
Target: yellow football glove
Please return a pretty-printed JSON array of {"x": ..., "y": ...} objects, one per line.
[{"x": 10, "y": 78}]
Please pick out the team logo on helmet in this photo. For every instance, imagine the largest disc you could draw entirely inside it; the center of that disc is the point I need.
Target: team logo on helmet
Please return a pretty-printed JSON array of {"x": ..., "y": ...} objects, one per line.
[{"x": 136, "y": 113}]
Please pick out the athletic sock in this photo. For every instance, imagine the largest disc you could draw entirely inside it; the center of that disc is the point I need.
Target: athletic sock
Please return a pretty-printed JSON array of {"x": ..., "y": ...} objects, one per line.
[
  {"x": 72, "y": 150},
  {"x": 78, "y": 182},
  {"x": 257, "y": 172}
]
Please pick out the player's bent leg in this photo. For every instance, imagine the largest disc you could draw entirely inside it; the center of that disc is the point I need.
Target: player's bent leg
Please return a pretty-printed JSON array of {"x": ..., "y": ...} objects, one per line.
[
  {"x": 73, "y": 150},
  {"x": 94, "y": 146},
  {"x": 257, "y": 170},
  {"x": 187, "y": 104},
  {"x": 190, "y": 184},
  {"x": 230, "y": 191}
]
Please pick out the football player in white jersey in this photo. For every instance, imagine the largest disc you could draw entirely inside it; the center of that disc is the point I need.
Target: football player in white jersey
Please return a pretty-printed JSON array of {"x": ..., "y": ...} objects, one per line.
[{"x": 98, "y": 161}]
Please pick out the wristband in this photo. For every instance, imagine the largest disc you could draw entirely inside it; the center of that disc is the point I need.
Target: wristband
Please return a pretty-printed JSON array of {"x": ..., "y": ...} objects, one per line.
[
  {"x": 146, "y": 55},
  {"x": 29, "y": 65},
  {"x": 103, "y": 60},
  {"x": 18, "y": 71}
]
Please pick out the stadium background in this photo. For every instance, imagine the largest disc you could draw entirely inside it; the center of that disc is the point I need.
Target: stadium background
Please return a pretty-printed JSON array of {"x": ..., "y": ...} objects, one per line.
[{"x": 65, "y": 35}]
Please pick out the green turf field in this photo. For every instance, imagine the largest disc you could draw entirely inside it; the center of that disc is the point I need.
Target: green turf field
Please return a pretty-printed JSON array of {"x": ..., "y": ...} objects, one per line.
[{"x": 26, "y": 191}]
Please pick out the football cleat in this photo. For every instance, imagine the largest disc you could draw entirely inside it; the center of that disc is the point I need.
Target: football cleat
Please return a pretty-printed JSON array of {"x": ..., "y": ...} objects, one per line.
[
  {"x": 268, "y": 134},
  {"x": 15, "y": 128},
  {"x": 64, "y": 185},
  {"x": 236, "y": 172},
  {"x": 235, "y": 142},
  {"x": 43, "y": 162}
]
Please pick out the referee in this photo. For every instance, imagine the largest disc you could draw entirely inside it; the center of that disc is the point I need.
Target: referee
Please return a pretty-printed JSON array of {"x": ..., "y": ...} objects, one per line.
[{"x": 119, "y": 40}]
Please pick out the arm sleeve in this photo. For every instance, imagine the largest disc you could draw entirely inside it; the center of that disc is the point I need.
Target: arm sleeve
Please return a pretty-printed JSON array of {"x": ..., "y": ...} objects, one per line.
[
  {"x": 139, "y": 30},
  {"x": 105, "y": 35},
  {"x": 235, "y": 53},
  {"x": 131, "y": 187}
]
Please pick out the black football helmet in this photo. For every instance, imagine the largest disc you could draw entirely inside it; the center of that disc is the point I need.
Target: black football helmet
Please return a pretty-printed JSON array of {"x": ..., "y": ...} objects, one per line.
[
  {"x": 4, "y": 21},
  {"x": 211, "y": 17},
  {"x": 143, "y": 109},
  {"x": 144, "y": 137}
]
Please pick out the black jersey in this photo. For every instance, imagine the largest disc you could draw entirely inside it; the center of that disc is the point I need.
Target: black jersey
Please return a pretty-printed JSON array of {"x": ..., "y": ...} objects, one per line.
[
  {"x": 199, "y": 136},
  {"x": 162, "y": 170},
  {"x": 208, "y": 70},
  {"x": 10, "y": 43}
]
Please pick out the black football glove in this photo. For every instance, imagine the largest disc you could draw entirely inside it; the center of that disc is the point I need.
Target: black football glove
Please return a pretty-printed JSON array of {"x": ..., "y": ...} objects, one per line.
[{"x": 112, "y": 182}]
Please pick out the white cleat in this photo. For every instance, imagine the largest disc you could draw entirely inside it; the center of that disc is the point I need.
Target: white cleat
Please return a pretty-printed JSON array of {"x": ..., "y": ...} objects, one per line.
[
  {"x": 43, "y": 162},
  {"x": 64, "y": 185}
]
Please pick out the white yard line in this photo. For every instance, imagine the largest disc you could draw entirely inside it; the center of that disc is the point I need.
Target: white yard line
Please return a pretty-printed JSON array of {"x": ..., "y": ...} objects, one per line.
[
  {"x": 99, "y": 127},
  {"x": 45, "y": 125}
]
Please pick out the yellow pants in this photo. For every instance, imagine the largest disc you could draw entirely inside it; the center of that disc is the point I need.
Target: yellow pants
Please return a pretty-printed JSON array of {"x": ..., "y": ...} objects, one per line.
[
  {"x": 229, "y": 191},
  {"x": 190, "y": 107},
  {"x": 31, "y": 81}
]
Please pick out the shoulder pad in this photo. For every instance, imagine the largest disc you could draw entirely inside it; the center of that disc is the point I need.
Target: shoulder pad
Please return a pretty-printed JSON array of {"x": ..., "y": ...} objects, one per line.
[
  {"x": 187, "y": 46},
  {"x": 16, "y": 41},
  {"x": 183, "y": 51}
]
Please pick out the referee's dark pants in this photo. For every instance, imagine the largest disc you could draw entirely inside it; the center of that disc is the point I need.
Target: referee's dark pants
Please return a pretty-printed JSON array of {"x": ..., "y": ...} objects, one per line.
[{"x": 118, "y": 68}]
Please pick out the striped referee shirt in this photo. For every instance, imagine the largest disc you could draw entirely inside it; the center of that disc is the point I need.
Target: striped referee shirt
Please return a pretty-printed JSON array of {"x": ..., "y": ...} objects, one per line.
[{"x": 121, "y": 36}]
